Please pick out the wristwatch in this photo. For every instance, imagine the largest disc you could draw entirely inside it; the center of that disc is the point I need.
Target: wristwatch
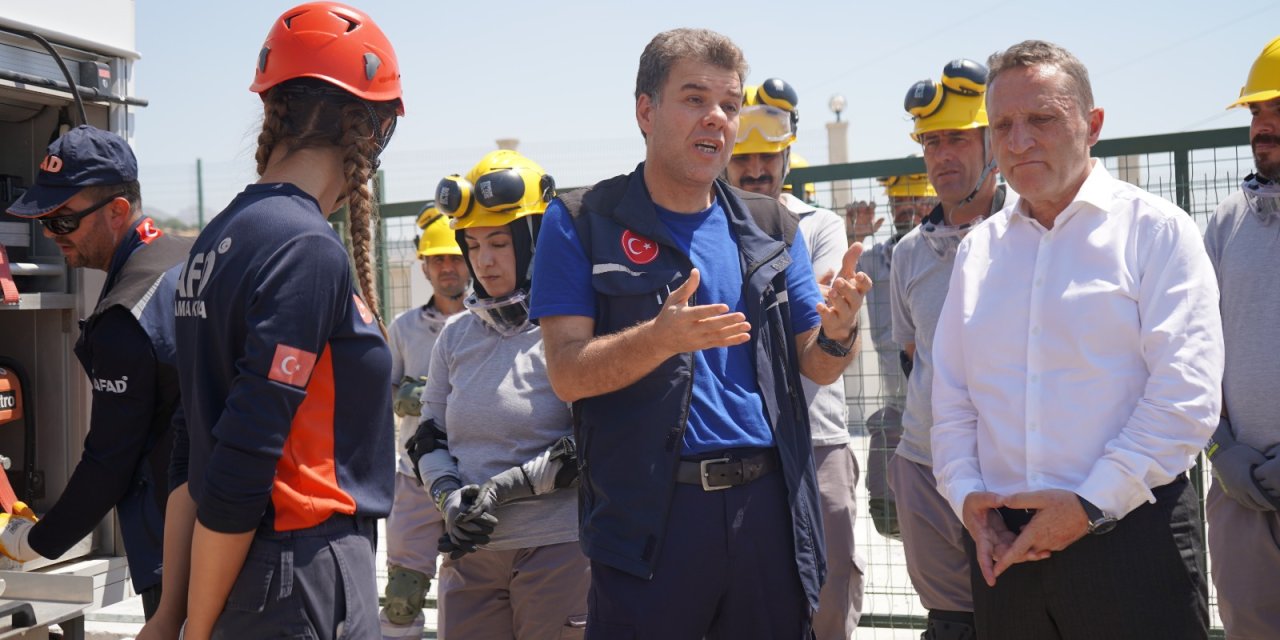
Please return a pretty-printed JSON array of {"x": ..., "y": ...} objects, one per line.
[
  {"x": 833, "y": 348},
  {"x": 1099, "y": 522}
]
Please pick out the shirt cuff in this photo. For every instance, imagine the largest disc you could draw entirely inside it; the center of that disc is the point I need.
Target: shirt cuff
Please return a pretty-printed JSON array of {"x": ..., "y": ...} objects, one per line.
[
  {"x": 957, "y": 491},
  {"x": 1113, "y": 491}
]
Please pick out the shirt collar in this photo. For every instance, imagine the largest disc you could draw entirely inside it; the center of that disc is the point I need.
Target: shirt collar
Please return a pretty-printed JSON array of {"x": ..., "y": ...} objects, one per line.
[
  {"x": 796, "y": 205},
  {"x": 1096, "y": 192}
]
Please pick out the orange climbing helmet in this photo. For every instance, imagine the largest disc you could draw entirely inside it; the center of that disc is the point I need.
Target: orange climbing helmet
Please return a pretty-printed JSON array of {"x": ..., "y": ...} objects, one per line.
[{"x": 332, "y": 42}]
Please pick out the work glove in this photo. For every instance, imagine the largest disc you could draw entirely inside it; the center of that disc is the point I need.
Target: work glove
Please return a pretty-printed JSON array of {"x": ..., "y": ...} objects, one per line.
[
  {"x": 14, "y": 530},
  {"x": 1233, "y": 467},
  {"x": 495, "y": 492},
  {"x": 1267, "y": 476},
  {"x": 408, "y": 398},
  {"x": 463, "y": 532}
]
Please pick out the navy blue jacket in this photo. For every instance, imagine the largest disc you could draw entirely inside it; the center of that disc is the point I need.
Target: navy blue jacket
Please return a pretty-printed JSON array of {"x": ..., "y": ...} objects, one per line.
[
  {"x": 126, "y": 347},
  {"x": 629, "y": 441}
]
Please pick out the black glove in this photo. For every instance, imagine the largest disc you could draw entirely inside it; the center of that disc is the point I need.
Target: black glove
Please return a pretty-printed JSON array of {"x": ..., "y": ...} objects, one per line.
[
  {"x": 466, "y": 529},
  {"x": 1267, "y": 476},
  {"x": 1233, "y": 466}
]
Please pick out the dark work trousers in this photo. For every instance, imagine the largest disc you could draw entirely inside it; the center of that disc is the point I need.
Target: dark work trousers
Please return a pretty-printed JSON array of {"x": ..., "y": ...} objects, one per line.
[
  {"x": 726, "y": 569},
  {"x": 1144, "y": 579},
  {"x": 311, "y": 583}
]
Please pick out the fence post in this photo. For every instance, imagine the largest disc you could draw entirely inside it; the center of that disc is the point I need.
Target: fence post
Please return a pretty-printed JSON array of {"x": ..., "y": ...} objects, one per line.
[{"x": 1182, "y": 178}]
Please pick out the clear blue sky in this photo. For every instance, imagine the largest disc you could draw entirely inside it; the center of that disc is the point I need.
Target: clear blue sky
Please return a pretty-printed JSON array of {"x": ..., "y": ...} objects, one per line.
[{"x": 560, "y": 75}]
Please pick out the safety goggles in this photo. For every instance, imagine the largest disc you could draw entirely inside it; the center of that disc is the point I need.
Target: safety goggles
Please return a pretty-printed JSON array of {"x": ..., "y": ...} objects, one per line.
[
  {"x": 771, "y": 123},
  {"x": 498, "y": 191},
  {"x": 69, "y": 222},
  {"x": 508, "y": 315},
  {"x": 1263, "y": 196}
]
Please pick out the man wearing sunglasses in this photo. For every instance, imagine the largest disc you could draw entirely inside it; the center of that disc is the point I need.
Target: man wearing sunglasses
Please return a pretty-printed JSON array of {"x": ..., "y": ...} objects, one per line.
[
  {"x": 951, "y": 127},
  {"x": 1077, "y": 373},
  {"x": 87, "y": 199},
  {"x": 760, "y": 163},
  {"x": 1242, "y": 503}
]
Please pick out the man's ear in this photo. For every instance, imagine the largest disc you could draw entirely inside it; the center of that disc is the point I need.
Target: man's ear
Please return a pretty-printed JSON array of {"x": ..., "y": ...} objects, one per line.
[
  {"x": 644, "y": 113},
  {"x": 119, "y": 213}
]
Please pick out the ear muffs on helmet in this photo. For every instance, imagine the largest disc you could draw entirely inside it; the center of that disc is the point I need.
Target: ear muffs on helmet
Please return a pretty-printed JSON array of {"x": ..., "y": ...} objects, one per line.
[
  {"x": 955, "y": 102},
  {"x": 453, "y": 196},
  {"x": 501, "y": 188}
]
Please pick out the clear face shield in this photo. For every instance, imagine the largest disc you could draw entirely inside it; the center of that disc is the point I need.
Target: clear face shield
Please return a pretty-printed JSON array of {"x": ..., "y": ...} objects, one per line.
[
  {"x": 508, "y": 315},
  {"x": 1263, "y": 196}
]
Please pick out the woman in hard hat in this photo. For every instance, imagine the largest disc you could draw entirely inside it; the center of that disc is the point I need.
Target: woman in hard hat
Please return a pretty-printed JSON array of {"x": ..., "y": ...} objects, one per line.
[
  {"x": 495, "y": 447},
  {"x": 285, "y": 371}
]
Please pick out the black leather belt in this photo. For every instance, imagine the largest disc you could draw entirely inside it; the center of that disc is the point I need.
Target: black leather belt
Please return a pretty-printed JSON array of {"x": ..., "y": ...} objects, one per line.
[{"x": 714, "y": 474}]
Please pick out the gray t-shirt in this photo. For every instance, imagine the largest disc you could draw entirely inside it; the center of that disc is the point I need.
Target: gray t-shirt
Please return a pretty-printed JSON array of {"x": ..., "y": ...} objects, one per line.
[
  {"x": 824, "y": 234},
  {"x": 918, "y": 286},
  {"x": 1245, "y": 251},
  {"x": 412, "y": 335},
  {"x": 875, "y": 262},
  {"x": 499, "y": 411}
]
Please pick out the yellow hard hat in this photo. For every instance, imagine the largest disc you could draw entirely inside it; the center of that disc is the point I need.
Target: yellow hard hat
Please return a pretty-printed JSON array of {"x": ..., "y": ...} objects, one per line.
[
  {"x": 504, "y": 186},
  {"x": 810, "y": 191},
  {"x": 1264, "y": 78},
  {"x": 957, "y": 102},
  {"x": 915, "y": 185},
  {"x": 767, "y": 123},
  {"x": 436, "y": 238}
]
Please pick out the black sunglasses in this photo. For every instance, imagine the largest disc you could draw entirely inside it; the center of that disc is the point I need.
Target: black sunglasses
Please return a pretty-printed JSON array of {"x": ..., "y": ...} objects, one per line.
[{"x": 67, "y": 223}]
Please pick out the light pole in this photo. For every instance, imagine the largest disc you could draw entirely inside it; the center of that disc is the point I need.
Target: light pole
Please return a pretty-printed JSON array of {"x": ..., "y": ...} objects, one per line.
[{"x": 838, "y": 151}]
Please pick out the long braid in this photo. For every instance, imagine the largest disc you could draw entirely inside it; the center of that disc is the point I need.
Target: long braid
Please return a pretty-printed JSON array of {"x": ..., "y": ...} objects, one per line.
[
  {"x": 359, "y": 147},
  {"x": 275, "y": 123}
]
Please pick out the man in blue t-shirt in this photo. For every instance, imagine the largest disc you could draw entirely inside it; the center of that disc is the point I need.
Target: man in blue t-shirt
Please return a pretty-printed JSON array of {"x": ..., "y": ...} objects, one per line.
[{"x": 677, "y": 314}]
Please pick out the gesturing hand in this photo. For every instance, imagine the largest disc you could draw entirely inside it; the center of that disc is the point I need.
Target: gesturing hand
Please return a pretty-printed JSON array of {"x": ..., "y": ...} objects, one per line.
[
  {"x": 843, "y": 297},
  {"x": 682, "y": 327}
]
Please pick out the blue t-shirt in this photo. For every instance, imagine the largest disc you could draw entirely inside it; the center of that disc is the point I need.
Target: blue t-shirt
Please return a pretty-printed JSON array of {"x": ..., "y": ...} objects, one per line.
[{"x": 726, "y": 410}]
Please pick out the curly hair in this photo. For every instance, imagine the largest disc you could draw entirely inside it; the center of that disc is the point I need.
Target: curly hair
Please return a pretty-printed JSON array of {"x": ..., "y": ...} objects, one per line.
[{"x": 309, "y": 113}]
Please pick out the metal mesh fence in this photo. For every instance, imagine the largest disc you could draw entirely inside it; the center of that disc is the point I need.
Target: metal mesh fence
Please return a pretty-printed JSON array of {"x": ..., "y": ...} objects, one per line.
[{"x": 1195, "y": 170}]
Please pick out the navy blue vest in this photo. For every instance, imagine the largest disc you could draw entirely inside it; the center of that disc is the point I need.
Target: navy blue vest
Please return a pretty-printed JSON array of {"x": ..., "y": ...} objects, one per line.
[
  {"x": 629, "y": 441},
  {"x": 143, "y": 278}
]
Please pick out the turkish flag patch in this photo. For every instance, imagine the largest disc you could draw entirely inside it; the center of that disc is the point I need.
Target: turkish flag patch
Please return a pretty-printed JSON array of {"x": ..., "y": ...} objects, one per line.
[
  {"x": 147, "y": 231},
  {"x": 638, "y": 248},
  {"x": 365, "y": 313},
  {"x": 292, "y": 366}
]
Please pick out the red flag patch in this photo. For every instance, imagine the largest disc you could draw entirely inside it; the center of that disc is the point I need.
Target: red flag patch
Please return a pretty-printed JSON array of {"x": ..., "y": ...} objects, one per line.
[
  {"x": 148, "y": 231},
  {"x": 292, "y": 366},
  {"x": 638, "y": 248}
]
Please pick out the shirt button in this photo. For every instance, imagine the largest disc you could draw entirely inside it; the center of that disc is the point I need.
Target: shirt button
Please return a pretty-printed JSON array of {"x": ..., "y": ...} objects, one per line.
[
  {"x": 1035, "y": 331},
  {"x": 1039, "y": 282},
  {"x": 1035, "y": 378},
  {"x": 1033, "y": 425}
]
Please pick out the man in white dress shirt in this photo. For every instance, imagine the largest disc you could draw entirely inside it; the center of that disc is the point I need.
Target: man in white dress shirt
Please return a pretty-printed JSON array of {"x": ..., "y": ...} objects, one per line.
[{"x": 1077, "y": 373}]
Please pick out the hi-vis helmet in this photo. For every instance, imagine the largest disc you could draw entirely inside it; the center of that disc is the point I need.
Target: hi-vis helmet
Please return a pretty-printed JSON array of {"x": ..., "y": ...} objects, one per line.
[
  {"x": 915, "y": 185},
  {"x": 503, "y": 187},
  {"x": 767, "y": 123},
  {"x": 332, "y": 42},
  {"x": 1264, "y": 77},
  {"x": 957, "y": 102},
  {"x": 436, "y": 239},
  {"x": 810, "y": 192}
]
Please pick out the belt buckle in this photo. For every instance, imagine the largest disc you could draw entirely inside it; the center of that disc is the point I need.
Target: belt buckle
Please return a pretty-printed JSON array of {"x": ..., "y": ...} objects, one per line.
[{"x": 703, "y": 473}]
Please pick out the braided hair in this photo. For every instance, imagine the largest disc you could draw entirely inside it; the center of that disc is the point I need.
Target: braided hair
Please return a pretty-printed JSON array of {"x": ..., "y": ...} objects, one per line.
[{"x": 307, "y": 113}]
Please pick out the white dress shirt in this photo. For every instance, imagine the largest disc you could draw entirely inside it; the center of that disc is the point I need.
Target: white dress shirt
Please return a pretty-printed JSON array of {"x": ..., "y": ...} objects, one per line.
[{"x": 1086, "y": 357}]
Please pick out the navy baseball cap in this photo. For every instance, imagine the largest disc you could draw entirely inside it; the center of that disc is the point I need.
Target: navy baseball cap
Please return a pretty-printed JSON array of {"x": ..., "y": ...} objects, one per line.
[{"x": 83, "y": 157}]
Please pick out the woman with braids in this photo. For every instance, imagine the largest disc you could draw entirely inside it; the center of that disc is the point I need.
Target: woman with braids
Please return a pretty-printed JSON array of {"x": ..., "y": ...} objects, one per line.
[{"x": 282, "y": 466}]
